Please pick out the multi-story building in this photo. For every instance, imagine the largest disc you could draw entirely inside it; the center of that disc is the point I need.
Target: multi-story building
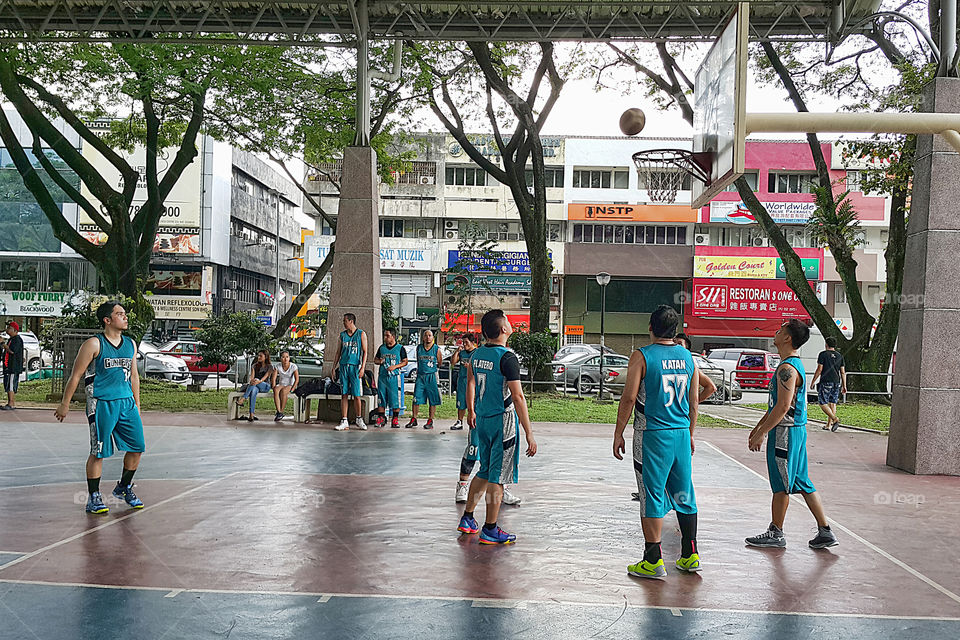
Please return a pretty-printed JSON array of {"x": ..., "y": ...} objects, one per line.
[
  {"x": 215, "y": 248},
  {"x": 601, "y": 219}
]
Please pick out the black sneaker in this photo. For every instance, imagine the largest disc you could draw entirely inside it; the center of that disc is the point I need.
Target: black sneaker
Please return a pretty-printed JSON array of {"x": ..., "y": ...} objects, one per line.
[
  {"x": 428, "y": 425},
  {"x": 836, "y": 425},
  {"x": 278, "y": 417},
  {"x": 773, "y": 537},
  {"x": 825, "y": 538},
  {"x": 411, "y": 424}
]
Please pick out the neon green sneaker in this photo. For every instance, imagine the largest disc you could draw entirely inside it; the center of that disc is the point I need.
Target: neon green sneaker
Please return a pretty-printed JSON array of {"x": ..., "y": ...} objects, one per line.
[
  {"x": 644, "y": 569},
  {"x": 689, "y": 564}
]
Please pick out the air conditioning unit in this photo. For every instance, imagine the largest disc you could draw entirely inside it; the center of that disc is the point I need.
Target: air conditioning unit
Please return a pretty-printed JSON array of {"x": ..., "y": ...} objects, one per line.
[
  {"x": 451, "y": 225},
  {"x": 525, "y": 303},
  {"x": 425, "y": 233},
  {"x": 701, "y": 239},
  {"x": 227, "y": 294},
  {"x": 452, "y": 300},
  {"x": 759, "y": 242},
  {"x": 427, "y": 179},
  {"x": 513, "y": 236},
  {"x": 233, "y": 284},
  {"x": 451, "y": 235}
]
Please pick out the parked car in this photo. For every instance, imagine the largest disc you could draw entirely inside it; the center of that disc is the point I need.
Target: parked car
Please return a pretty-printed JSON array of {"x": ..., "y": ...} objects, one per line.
[
  {"x": 719, "y": 377},
  {"x": 152, "y": 363},
  {"x": 726, "y": 359},
  {"x": 755, "y": 369},
  {"x": 446, "y": 352},
  {"x": 579, "y": 349},
  {"x": 583, "y": 372},
  {"x": 189, "y": 352},
  {"x": 309, "y": 363},
  {"x": 34, "y": 358}
]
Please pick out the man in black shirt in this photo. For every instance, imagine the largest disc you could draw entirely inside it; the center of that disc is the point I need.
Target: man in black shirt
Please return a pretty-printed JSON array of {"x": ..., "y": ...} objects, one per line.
[
  {"x": 833, "y": 382},
  {"x": 12, "y": 364}
]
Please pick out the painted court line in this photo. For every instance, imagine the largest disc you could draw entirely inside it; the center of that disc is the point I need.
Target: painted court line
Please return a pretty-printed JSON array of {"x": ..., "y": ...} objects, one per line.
[
  {"x": 87, "y": 532},
  {"x": 526, "y": 601},
  {"x": 74, "y": 462},
  {"x": 499, "y": 604},
  {"x": 174, "y": 593},
  {"x": 676, "y": 613},
  {"x": 324, "y": 598},
  {"x": 903, "y": 565}
]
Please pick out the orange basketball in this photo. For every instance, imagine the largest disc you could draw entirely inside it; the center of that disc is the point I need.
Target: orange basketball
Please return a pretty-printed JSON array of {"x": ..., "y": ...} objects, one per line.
[{"x": 632, "y": 121}]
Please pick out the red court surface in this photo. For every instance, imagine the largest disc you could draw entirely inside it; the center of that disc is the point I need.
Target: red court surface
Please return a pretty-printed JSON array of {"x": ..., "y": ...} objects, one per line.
[{"x": 266, "y": 512}]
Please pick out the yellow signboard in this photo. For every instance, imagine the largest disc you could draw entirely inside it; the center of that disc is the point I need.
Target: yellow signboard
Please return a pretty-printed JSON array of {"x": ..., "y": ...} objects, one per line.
[{"x": 734, "y": 267}]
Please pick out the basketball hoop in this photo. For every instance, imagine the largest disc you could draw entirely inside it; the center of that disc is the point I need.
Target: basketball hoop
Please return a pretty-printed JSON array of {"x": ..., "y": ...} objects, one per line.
[{"x": 663, "y": 170}]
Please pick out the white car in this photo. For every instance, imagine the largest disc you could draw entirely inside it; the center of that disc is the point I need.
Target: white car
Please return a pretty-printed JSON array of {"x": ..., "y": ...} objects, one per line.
[
  {"x": 33, "y": 357},
  {"x": 151, "y": 363}
]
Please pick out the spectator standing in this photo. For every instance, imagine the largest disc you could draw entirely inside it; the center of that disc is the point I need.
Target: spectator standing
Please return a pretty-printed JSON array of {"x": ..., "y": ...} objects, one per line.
[
  {"x": 832, "y": 373},
  {"x": 12, "y": 364}
]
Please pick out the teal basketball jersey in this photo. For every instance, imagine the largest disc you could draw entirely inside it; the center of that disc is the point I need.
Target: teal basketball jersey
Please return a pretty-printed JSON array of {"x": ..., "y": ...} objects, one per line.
[
  {"x": 351, "y": 347},
  {"x": 109, "y": 375},
  {"x": 797, "y": 413},
  {"x": 427, "y": 359},
  {"x": 666, "y": 385},
  {"x": 493, "y": 396},
  {"x": 463, "y": 357},
  {"x": 392, "y": 356}
]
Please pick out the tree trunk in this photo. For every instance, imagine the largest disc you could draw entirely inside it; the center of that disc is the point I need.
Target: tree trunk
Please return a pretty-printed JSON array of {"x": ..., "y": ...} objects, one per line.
[
  {"x": 541, "y": 270},
  {"x": 284, "y": 322}
]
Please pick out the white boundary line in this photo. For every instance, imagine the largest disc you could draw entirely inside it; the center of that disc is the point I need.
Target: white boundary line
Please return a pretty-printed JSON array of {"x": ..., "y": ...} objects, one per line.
[
  {"x": 499, "y": 602},
  {"x": 74, "y": 462},
  {"x": 903, "y": 565},
  {"x": 110, "y": 523}
]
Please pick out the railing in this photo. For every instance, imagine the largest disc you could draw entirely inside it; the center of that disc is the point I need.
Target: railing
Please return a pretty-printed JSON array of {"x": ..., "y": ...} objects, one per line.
[{"x": 843, "y": 398}]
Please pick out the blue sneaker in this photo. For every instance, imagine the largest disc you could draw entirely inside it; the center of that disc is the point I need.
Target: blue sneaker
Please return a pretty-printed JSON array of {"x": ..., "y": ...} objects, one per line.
[
  {"x": 498, "y": 536},
  {"x": 127, "y": 494},
  {"x": 468, "y": 525},
  {"x": 95, "y": 503}
]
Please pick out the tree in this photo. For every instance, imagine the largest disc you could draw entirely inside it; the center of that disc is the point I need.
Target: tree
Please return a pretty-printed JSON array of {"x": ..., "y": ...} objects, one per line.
[
  {"x": 223, "y": 338},
  {"x": 387, "y": 317},
  {"x": 155, "y": 96},
  {"x": 535, "y": 350},
  {"x": 834, "y": 221},
  {"x": 305, "y": 111},
  {"x": 492, "y": 74}
]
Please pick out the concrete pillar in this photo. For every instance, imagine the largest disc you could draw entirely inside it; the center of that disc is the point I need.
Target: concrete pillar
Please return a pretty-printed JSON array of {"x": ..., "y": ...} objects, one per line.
[
  {"x": 355, "y": 279},
  {"x": 925, "y": 422}
]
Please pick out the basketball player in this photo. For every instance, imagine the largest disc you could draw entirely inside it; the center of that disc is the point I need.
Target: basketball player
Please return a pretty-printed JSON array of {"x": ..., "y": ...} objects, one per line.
[
  {"x": 495, "y": 406},
  {"x": 107, "y": 364},
  {"x": 665, "y": 417},
  {"x": 426, "y": 389},
  {"x": 351, "y": 358},
  {"x": 786, "y": 422},
  {"x": 392, "y": 358}
]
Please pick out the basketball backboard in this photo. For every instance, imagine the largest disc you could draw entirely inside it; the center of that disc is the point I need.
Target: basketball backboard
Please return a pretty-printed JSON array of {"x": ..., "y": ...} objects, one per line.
[{"x": 719, "y": 114}]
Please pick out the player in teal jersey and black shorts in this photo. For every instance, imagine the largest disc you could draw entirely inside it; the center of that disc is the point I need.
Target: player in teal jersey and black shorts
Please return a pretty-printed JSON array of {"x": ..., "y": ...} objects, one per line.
[
  {"x": 662, "y": 394},
  {"x": 107, "y": 363},
  {"x": 786, "y": 422},
  {"x": 461, "y": 357},
  {"x": 495, "y": 408},
  {"x": 349, "y": 363},
  {"x": 426, "y": 389},
  {"x": 392, "y": 358}
]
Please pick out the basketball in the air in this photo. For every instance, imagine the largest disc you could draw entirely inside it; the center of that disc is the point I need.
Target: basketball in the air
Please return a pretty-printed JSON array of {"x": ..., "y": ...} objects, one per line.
[{"x": 632, "y": 121}]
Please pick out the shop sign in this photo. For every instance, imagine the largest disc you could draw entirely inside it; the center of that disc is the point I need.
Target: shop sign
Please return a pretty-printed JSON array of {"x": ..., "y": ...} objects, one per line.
[
  {"x": 781, "y": 212},
  {"x": 180, "y": 307},
  {"x": 753, "y": 299},
  {"x": 608, "y": 212},
  {"x": 573, "y": 329},
  {"x": 42, "y": 304}
]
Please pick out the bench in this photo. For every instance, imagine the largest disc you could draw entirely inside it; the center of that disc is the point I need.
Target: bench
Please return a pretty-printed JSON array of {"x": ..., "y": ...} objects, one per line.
[
  {"x": 329, "y": 407},
  {"x": 265, "y": 397}
]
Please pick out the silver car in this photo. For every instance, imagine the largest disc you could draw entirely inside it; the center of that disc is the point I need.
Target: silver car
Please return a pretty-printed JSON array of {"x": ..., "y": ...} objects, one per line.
[
  {"x": 582, "y": 372},
  {"x": 151, "y": 363},
  {"x": 720, "y": 378}
]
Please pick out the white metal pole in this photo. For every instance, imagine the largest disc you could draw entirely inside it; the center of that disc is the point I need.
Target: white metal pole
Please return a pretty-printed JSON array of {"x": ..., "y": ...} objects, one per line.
[{"x": 948, "y": 37}]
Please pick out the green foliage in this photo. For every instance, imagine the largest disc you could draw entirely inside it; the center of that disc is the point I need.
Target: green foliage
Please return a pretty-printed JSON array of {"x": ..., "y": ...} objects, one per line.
[
  {"x": 475, "y": 252},
  {"x": 533, "y": 349},
  {"x": 387, "y": 317},
  {"x": 226, "y": 336},
  {"x": 834, "y": 222},
  {"x": 82, "y": 314}
]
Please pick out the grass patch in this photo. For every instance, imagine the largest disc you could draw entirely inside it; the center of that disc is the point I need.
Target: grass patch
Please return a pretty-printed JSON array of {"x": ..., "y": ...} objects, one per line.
[
  {"x": 867, "y": 415},
  {"x": 157, "y": 395}
]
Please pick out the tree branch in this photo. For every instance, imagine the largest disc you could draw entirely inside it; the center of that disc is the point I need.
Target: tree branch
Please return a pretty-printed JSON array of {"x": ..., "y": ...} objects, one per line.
[
  {"x": 283, "y": 323},
  {"x": 68, "y": 188}
]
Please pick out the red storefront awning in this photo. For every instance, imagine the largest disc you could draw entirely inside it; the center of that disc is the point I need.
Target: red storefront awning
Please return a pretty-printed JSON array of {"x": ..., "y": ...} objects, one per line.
[
  {"x": 464, "y": 322},
  {"x": 728, "y": 328}
]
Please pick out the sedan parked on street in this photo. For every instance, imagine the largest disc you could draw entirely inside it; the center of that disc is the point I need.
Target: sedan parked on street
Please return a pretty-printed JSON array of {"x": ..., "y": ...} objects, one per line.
[
  {"x": 582, "y": 372},
  {"x": 719, "y": 377},
  {"x": 152, "y": 363}
]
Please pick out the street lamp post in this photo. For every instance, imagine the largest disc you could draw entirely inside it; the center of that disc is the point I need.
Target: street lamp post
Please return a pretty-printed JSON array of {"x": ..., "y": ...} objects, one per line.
[{"x": 603, "y": 279}]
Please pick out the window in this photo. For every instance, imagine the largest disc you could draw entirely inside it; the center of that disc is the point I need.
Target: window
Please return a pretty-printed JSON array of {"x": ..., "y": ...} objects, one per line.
[
  {"x": 496, "y": 230},
  {"x": 552, "y": 177},
  {"x": 753, "y": 179},
  {"x": 797, "y": 237},
  {"x": 418, "y": 173},
  {"x": 391, "y": 228},
  {"x": 839, "y": 294},
  {"x": 554, "y": 232},
  {"x": 852, "y": 181},
  {"x": 792, "y": 182},
  {"x": 468, "y": 176},
  {"x": 629, "y": 234},
  {"x": 601, "y": 178},
  {"x": 634, "y": 296},
  {"x": 663, "y": 178},
  {"x": 326, "y": 172}
]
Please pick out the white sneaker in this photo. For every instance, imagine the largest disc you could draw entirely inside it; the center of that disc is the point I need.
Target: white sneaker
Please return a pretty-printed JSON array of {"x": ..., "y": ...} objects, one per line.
[
  {"x": 463, "y": 488},
  {"x": 457, "y": 425},
  {"x": 360, "y": 424},
  {"x": 343, "y": 426},
  {"x": 509, "y": 498}
]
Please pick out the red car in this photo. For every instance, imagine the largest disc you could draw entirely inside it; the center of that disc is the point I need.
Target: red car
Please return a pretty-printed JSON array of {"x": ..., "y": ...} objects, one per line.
[
  {"x": 190, "y": 353},
  {"x": 755, "y": 369}
]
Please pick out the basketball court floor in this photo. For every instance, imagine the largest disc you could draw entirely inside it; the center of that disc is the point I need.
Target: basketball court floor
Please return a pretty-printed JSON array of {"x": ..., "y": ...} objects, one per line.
[{"x": 295, "y": 532}]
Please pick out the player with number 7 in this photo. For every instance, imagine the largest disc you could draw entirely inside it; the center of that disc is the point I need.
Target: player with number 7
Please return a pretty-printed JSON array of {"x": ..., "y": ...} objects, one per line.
[{"x": 659, "y": 394}]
